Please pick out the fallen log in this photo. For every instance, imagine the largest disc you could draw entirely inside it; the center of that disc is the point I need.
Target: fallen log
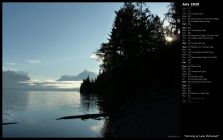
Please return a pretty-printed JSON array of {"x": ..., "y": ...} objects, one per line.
[
  {"x": 83, "y": 117},
  {"x": 9, "y": 123}
]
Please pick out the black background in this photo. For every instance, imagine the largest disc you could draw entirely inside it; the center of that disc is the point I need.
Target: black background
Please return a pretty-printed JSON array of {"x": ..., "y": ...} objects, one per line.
[{"x": 204, "y": 118}]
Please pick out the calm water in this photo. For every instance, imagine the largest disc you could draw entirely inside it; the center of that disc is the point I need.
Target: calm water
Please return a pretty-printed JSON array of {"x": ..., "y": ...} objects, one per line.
[{"x": 36, "y": 113}]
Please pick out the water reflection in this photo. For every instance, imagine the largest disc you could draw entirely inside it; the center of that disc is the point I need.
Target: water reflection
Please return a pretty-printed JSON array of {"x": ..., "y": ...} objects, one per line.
[
  {"x": 91, "y": 101},
  {"x": 106, "y": 129},
  {"x": 97, "y": 127},
  {"x": 11, "y": 98},
  {"x": 36, "y": 113},
  {"x": 14, "y": 102}
]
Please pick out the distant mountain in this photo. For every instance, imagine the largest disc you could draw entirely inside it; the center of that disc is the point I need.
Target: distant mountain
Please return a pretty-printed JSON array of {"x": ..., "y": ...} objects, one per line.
[
  {"x": 85, "y": 74},
  {"x": 17, "y": 80},
  {"x": 79, "y": 77},
  {"x": 15, "y": 76},
  {"x": 11, "y": 79}
]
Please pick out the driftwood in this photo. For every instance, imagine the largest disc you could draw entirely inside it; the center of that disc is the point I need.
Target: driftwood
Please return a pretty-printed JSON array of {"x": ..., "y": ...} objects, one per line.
[
  {"x": 83, "y": 117},
  {"x": 9, "y": 123},
  {"x": 114, "y": 115}
]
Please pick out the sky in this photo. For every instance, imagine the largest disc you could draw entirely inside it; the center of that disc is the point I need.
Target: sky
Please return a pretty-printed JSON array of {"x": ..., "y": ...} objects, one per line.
[{"x": 48, "y": 40}]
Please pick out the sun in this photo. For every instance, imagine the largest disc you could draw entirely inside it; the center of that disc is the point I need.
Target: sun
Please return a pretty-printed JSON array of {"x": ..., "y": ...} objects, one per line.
[{"x": 169, "y": 39}]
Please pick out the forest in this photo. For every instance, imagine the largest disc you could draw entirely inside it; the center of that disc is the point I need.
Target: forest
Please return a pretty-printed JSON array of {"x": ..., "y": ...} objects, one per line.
[{"x": 137, "y": 58}]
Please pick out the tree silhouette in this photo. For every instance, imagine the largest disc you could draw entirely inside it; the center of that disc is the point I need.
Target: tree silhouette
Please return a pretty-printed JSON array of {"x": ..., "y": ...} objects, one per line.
[
  {"x": 173, "y": 17},
  {"x": 87, "y": 86},
  {"x": 136, "y": 57}
]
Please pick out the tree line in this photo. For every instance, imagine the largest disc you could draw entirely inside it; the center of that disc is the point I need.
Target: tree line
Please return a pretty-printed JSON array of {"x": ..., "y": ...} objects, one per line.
[{"x": 137, "y": 56}]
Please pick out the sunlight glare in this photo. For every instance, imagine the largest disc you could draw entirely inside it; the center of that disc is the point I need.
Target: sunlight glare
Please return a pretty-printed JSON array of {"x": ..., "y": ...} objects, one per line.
[{"x": 169, "y": 39}]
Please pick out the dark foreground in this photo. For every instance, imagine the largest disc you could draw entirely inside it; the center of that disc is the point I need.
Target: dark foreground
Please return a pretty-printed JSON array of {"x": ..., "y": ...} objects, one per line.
[{"x": 148, "y": 115}]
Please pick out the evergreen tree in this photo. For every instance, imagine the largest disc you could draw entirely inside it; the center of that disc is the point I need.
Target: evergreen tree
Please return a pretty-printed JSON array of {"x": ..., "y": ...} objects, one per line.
[
  {"x": 122, "y": 43},
  {"x": 136, "y": 51},
  {"x": 173, "y": 17},
  {"x": 86, "y": 86},
  {"x": 158, "y": 37}
]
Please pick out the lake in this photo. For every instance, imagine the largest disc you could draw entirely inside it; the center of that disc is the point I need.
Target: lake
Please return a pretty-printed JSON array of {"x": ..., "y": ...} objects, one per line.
[{"x": 36, "y": 112}]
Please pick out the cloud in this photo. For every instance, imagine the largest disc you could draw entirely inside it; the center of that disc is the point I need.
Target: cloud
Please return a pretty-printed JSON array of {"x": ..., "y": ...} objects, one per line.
[
  {"x": 20, "y": 81},
  {"x": 93, "y": 56},
  {"x": 11, "y": 64},
  {"x": 33, "y": 61},
  {"x": 4, "y": 68},
  {"x": 53, "y": 85},
  {"x": 7, "y": 68}
]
